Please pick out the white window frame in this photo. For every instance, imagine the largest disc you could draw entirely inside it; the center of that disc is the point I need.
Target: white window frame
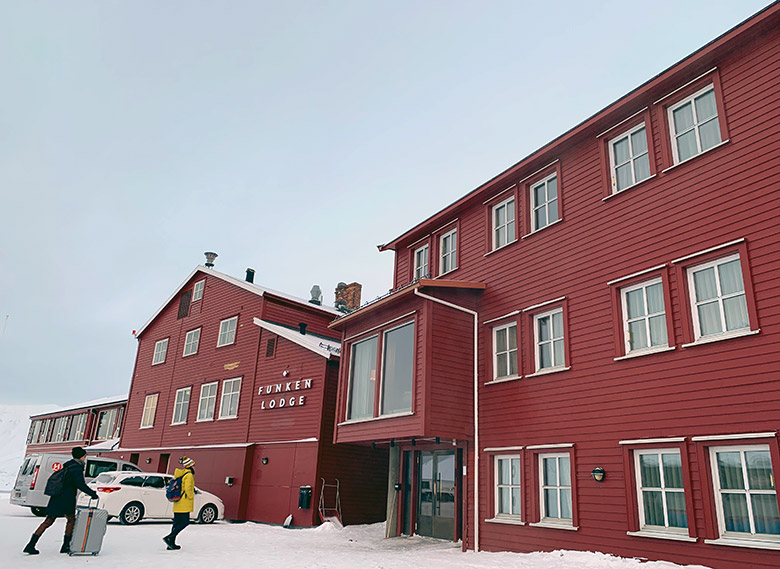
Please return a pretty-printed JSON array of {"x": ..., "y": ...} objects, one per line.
[
  {"x": 674, "y": 135},
  {"x": 197, "y": 290},
  {"x": 227, "y": 335},
  {"x": 181, "y": 407},
  {"x": 771, "y": 541},
  {"x": 537, "y": 342},
  {"x": 517, "y": 516},
  {"x": 720, "y": 298},
  {"x": 508, "y": 229},
  {"x": 422, "y": 262},
  {"x": 79, "y": 423},
  {"x": 534, "y": 206},
  {"x": 160, "y": 352},
  {"x": 59, "y": 429},
  {"x": 613, "y": 165},
  {"x": 624, "y": 307},
  {"x": 106, "y": 430},
  {"x": 643, "y": 525},
  {"x": 569, "y": 522},
  {"x": 231, "y": 394},
  {"x": 150, "y": 410},
  {"x": 191, "y": 342},
  {"x": 508, "y": 352},
  {"x": 207, "y": 397},
  {"x": 448, "y": 258}
]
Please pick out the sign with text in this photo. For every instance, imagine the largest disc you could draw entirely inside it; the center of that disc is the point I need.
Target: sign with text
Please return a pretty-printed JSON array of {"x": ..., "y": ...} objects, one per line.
[{"x": 280, "y": 395}]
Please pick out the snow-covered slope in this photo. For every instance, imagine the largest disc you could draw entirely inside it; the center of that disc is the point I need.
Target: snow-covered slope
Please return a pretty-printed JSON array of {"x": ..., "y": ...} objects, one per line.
[{"x": 14, "y": 426}]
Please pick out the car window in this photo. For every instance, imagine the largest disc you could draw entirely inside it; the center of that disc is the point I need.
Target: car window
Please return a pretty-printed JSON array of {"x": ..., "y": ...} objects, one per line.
[
  {"x": 154, "y": 482},
  {"x": 95, "y": 467},
  {"x": 105, "y": 478},
  {"x": 132, "y": 481},
  {"x": 130, "y": 468},
  {"x": 26, "y": 466}
]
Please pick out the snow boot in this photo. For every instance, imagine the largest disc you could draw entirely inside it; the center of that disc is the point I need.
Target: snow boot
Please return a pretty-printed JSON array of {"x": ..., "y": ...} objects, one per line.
[
  {"x": 65, "y": 544},
  {"x": 30, "y": 547},
  {"x": 169, "y": 541}
]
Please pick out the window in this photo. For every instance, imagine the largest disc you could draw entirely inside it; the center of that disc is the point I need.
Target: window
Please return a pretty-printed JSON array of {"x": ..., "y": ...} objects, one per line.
[
  {"x": 644, "y": 317},
  {"x": 505, "y": 351},
  {"x": 227, "y": 331},
  {"x": 197, "y": 291},
  {"x": 43, "y": 435},
  {"x": 208, "y": 401},
  {"x": 77, "y": 427},
  {"x": 555, "y": 499},
  {"x": 660, "y": 493},
  {"x": 718, "y": 302},
  {"x": 228, "y": 407},
  {"x": 745, "y": 494},
  {"x": 504, "y": 223},
  {"x": 694, "y": 124},
  {"x": 362, "y": 379},
  {"x": 397, "y": 370},
  {"x": 184, "y": 304},
  {"x": 629, "y": 158},
  {"x": 508, "y": 498},
  {"x": 35, "y": 431},
  {"x": 191, "y": 342},
  {"x": 548, "y": 338},
  {"x": 448, "y": 248},
  {"x": 160, "y": 351},
  {"x": 421, "y": 263},
  {"x": 58, "y": 431},
  {"x": 544, "y": 202},
  {"x": 182, "y": 406},
  {"x": 108, "y": 424},
  {"x": 150, "y": 408},
  {"x": 95, "y": 467}
]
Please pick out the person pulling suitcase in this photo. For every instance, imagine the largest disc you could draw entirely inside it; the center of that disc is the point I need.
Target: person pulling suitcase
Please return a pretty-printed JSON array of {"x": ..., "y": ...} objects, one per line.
[{"x": 62, "y": 488}]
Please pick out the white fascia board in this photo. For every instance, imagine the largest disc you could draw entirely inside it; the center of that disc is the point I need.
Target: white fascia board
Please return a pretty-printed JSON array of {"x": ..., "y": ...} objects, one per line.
[
  {"x": 103, "y": 402},
  {"x": 324, "y": 347}
]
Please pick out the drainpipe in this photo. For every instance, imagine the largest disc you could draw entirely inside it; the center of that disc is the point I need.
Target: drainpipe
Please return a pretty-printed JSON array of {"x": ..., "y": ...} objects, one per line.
[{"x": 476, "y": 409}]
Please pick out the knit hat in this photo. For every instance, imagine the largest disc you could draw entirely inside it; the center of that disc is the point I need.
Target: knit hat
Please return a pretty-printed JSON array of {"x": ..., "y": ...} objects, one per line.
[
  {"x": 78, "y": 452},
  {"x": 186, "y": 462}
]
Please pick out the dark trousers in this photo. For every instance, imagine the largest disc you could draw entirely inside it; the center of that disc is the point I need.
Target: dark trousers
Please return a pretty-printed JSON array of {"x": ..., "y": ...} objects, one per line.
[
  {"x": 180, "y": 521},
  {"x": 46, "y": 524}
]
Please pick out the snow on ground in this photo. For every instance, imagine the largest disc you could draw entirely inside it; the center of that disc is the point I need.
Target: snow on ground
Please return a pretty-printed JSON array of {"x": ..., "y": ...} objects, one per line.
[{"x": 14, "y": 426}]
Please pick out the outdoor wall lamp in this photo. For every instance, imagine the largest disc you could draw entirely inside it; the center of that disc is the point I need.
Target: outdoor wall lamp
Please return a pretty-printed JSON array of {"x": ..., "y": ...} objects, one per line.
[
  {"x": 148, "y": 460},
  {"x": 598, "y": 474},
  {"x": 264, "y": 460}
]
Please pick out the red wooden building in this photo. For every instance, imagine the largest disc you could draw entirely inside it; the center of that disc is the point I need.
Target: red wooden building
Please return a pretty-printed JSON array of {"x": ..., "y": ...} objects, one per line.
[
  {"x": 84, "y": 424},
  {"x": 242, "y": 379},
  {"x": 581, "y": 353}
]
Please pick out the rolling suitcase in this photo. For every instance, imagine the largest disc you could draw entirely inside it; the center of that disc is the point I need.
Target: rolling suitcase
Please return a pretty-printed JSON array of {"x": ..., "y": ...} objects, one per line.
[{"x": 89, "y": 531}]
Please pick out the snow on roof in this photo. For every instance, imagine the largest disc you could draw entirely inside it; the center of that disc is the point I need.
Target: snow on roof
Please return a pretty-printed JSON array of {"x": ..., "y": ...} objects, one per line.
[
  {"x": 326, "y": 347},
  {"x": 251, "y": 287},
  {"x": 108, "y": 444},
  {"x": 103, "y": 402}
]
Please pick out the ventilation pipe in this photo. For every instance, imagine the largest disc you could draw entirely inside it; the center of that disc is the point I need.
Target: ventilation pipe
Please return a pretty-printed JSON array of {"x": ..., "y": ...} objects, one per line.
[
  {"x": 210, "y": 256},
  {"x": 250, "y": 275},
  {"x": 302, "y": 328}
]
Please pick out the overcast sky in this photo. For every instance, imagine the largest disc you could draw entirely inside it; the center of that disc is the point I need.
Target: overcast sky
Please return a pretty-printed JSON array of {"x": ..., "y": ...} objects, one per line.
[{"x": 291, "y": 137}]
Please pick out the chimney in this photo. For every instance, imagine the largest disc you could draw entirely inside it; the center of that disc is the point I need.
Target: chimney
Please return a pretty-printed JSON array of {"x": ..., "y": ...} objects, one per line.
[
  {"x": 316, "y": 295},
  {"x": 302, "y": 327},
  {"x": 250, "y": 275},
  {"x": 348, "y": 296},
  {"x": 210, "y": 258}
]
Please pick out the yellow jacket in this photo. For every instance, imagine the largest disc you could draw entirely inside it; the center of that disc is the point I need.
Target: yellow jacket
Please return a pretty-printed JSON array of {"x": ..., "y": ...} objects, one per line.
[{"x": 187, "y": 502}]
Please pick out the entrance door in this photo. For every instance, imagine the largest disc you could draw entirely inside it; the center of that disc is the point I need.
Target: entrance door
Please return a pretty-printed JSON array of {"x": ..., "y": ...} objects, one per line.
[{"x": 436, "y": 506}]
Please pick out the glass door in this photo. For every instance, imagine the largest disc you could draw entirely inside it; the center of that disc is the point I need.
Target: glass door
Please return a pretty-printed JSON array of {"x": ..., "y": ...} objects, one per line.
[{"x": 436, "y": 506}]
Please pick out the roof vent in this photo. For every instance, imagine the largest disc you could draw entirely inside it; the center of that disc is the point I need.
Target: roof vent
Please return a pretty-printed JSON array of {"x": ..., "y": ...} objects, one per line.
[
  {"x": 250, "y": 275},
  {"x": 316, "y": 295},
  {"x": 302, "y": 327},
  {"x": 210, "y": 258}
]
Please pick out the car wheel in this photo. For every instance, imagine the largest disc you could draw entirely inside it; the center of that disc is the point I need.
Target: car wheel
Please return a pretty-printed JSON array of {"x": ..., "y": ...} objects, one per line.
[
  {"x": 208, "y": 514},
  {"x": 40, "y": 512},
  {"x": 131, "y": 514}
]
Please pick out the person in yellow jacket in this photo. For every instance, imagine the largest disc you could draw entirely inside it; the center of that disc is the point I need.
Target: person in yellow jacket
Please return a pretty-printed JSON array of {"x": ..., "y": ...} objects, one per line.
[{"x": 183, "y": 508}]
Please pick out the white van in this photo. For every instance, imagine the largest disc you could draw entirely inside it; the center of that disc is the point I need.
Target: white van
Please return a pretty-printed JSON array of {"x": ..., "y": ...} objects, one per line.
[{"x": 36, "y": 469}]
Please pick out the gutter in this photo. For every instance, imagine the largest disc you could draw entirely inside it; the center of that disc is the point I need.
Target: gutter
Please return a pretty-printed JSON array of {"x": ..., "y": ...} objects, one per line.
[{"x": 476, "y": 408}]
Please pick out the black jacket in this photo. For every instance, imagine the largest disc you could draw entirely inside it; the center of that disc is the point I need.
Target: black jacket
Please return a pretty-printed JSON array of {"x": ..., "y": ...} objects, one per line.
[{"x": 64, "y": 503}]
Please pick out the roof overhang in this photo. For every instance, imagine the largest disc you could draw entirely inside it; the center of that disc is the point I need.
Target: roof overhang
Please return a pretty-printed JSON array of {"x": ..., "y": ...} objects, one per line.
[{"x": 326, "y": 347}]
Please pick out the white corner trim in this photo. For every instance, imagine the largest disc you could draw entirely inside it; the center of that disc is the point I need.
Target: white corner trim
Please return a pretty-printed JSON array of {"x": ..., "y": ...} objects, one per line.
[
  {"x": 545, "y": 303},
  {"x": 721, "y": 337},
  {"x": 553, "y": 446},
  {"x": 673, "y": 166},
  {"x": 691, "y": 82},
  {"x": 637, "y": 274},
  {"x": 705, "y": 251},
  {"x": 507, "y": 315},
  {"x": 653, "y": 441},
  {"x": 662, "y": 535},
  {"x": 535, "y": 231},
  {"x": 644, "y": 353},
  {"x": 501, "y": 449},
  {"x": 735, "y": 437}
]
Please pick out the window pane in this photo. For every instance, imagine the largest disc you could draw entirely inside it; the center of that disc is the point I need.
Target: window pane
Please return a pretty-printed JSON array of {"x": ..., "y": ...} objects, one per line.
[
  {"x": 736, "y": 312},
  {"x": 540, "y": 218},
  {"x": 510, "y": 210},
  {"x": 635, "y": 303},
  {"x": 709, "y": 133},
  {"x": 624, "y": 176},
  {"x": 510, "y": 231},
  {"x": 504, "y": 471},
  {"x": 730, "y": 471},
  {"x": 709, "y": 319},
  {"x": 637, "y": 335},
  {"x": 500, "y": 215},
  {"x": 649, "y": 471},
  {"x": 501, "y": 340},
  {"x": 759, "y": 470},
  {"x": 654, "y": 508},
  {"x": 552, "y": 188},
  {"x": 705, "y": 106},
  {"x": 552, "y": 211},
  {"x": 557, "y": 325},
  {"x": 565, "y": 472},
  {"x": 515, "y": 471},
  {"x": 675, "y": 506},
  {"x": 683, "y": 118},
  {"x": 559, "y": 360},
  {"x": 735, "y": 513},
  {"x": 512, "y": 337},
  {"x": 655, "y": 298},
  {"x": 639, "y": 142},
  {"x": 505, "y": 500},
  {"x": 512, "y": 363},
  {"x": 545, "y": 356},
  {"x": 363, "y": 378},
  {"x": 551, "y": 503},
  {"x": 516, "y": 497},
  {"x": 398, "y": 370},
  {"x": 566, "y": 503},
  {"x": 642, "y": 168},
  {"x": 672, "y": 470},
  {"x": 544, "y": 328},
  {"x": 501, "y": 365},
  {"x": 765, "y": 514},
  {"x": 550, "y": 472},
  {"x": 658, "y": 331},
  {"x": 686, "y": 146},
  {"x": 730, "y": 276},
  {"x": 540, "y": 195},
  {"x": 621, "y": 150}
]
